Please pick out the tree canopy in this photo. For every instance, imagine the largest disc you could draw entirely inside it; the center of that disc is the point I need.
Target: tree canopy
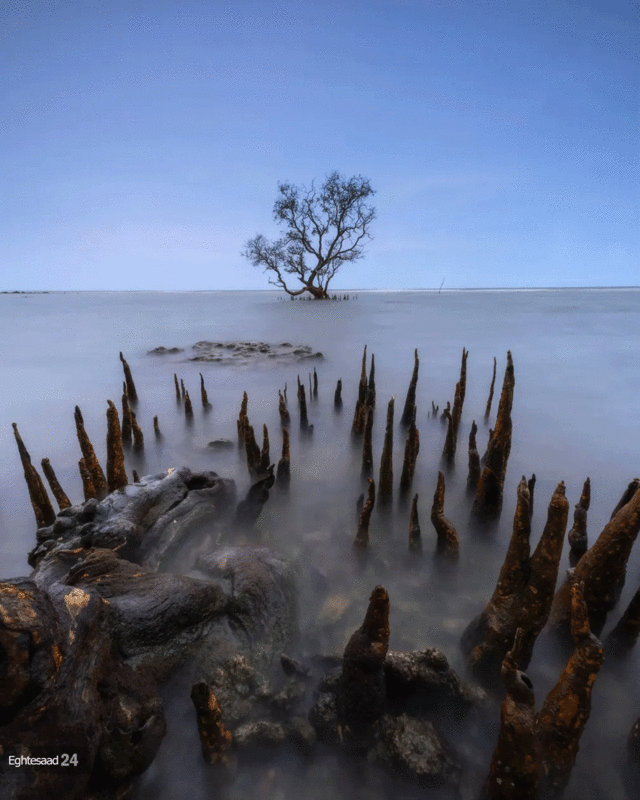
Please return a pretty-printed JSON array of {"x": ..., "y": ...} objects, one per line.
[{"x": 325, "y": 229}]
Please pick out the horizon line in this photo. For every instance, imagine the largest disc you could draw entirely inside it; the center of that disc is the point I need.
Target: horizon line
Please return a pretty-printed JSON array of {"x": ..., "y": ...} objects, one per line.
[{"x": 282, "y": 291}]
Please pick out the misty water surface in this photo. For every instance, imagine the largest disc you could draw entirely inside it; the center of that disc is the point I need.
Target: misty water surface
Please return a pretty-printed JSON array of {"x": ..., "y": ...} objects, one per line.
[{"x": 575, "y": 414}]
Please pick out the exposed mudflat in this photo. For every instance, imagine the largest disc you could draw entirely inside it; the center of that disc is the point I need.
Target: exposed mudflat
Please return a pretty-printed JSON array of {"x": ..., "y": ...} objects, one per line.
[{"x": 241, "y": 353}]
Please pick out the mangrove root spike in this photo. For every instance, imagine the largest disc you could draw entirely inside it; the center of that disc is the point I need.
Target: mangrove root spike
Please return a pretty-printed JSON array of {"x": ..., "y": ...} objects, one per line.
[
  {"x": 131, "y": 387},
  {"x": 58, "y": 492},
  {"x": 116, "y": 475},
  {"x": 42, "y": 508},
  {"x": 362, "y": 534},
  {"x": 447, "y": 544},
  {"x": 385, "y": 485}
]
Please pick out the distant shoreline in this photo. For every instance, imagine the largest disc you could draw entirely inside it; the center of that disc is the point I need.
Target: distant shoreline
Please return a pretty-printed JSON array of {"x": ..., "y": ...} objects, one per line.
[{"x": 340, "y": 291}]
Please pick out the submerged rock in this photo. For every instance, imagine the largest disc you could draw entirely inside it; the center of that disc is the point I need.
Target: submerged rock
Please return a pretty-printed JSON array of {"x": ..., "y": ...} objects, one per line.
[
  {"x": 221, "y": 444},
  {"x": 164, "y": 351},
  {"x": 415, "y": 750},
  {"x": 424, "y": 678}
]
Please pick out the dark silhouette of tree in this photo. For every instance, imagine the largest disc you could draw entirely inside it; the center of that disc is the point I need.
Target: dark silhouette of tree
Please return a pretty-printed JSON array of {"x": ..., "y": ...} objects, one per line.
[{"x": 325, "y": 229}]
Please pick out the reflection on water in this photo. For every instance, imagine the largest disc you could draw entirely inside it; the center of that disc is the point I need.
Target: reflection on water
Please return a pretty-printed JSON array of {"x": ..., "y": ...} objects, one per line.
[{"x": 575, "y": 414}]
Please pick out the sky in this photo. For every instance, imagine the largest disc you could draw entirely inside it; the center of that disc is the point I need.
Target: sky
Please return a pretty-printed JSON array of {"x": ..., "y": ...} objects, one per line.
[{"x": 142, "y": 143}]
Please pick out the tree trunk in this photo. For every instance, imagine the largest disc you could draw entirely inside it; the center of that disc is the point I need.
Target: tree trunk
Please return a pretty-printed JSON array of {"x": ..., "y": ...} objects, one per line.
[{"x": 318, "y": 292}]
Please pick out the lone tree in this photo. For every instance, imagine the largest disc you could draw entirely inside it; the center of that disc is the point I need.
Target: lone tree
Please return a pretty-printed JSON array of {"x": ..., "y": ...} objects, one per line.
[{"x": 325, "y": 229}]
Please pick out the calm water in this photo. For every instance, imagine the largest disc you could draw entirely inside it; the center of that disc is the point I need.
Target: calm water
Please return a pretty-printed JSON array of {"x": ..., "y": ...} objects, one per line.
[{"x": 576, "y": 355}]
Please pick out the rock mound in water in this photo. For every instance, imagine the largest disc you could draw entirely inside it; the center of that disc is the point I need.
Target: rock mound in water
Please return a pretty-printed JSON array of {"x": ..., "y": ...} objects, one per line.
[
  {"x": 164, "y": 351},
  {"x": 253, "y": 352}
]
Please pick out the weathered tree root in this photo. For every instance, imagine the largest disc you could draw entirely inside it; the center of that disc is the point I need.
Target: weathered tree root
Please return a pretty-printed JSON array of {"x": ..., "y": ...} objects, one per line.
[
  {"x": 385, "y": 484},
  {"x": 302, "y": 403},
  {"x": 463, "y": 376},
  {"x": 514, "y": 770},
  {"x": 42, "y": 508},
  {"x": 625, "y": 634},
  {"x": 577, "y": 536},
  {"x": 283, "y": 474},
  {"x": 359, "y": 415},
  {"x": 203, "y": 394},
  {"x": 408, "y": 413},
  {"x": 531, "y": 484},
  {"x": 69, "y": 686},
  {"x": 487, "y": 410},
  {"x": 214, "y": 737},
  {"x": 285, "y": 417},
  {"x": 264, "y": 453},
  {"x": 370, "y": 400},
  {"x": 337, "y": 397},
  {"x": 116, "y": 475},
  {"x": 138, "y": 436},
  {"x": 367, "y": 448},
  {"x": 411, "y": 450},
  {"x": 488, "y": 501},
  {"x": 127, "y": 420},
  {"x": 602, "y": 568},
  {"x": 566, "y": 709},
  {"x": 188, "y": 407},
  {"x": 536, "y": 752},
  {"x": 524, "y": 591},
  {"x": 451, "y": 440},
  {"x": 58, "y": 492},
  {"x": 474, "y": 460},
  {"x": 447, "y": 546},
  {"x": 252, "y": 449},
  {"x": 89, "y": 456},
  {"x": 242, "y": 421},
  {"x": 626, "y": 496},
  {"x": 87, "y": 481},
  {"x": 249, "y": 509},
  {"x": 361, "y": 700},
  {"x": 362, "y": 534},
  {"x": 415, "y": 539},
  {"x": 131, "y": 387}
]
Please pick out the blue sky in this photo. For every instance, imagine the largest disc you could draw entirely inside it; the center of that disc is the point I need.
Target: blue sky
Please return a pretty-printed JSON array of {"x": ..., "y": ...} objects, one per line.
[{"x": 141, "y": 144}]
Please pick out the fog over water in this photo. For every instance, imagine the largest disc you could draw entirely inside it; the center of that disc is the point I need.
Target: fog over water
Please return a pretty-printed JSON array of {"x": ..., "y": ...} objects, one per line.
[{"x": 576, "y": 356}]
